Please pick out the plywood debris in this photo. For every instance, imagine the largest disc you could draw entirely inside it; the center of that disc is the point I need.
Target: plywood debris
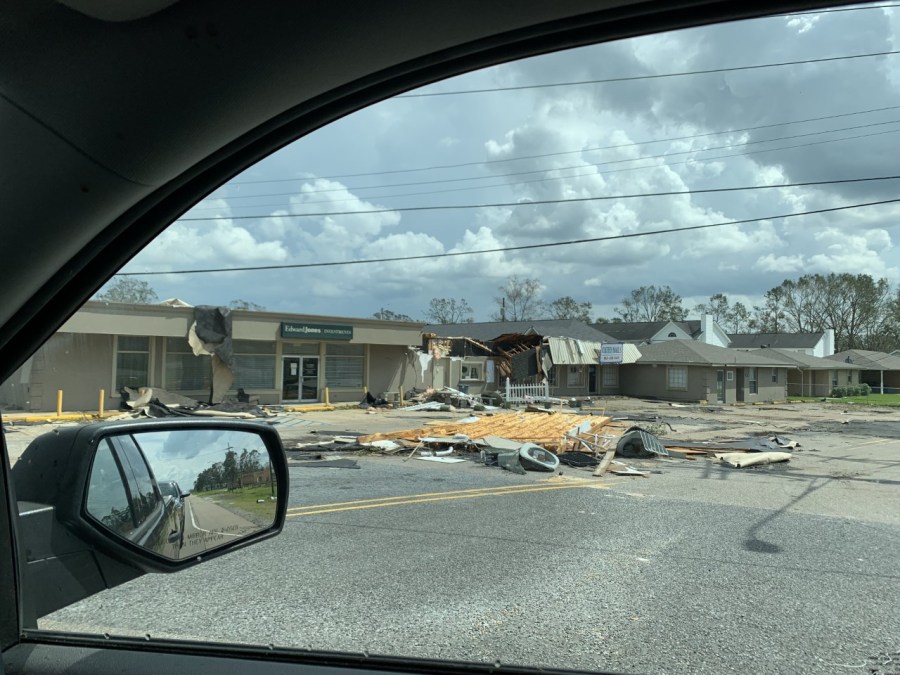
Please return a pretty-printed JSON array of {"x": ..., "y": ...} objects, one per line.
[{"x": 548, "y": 431}]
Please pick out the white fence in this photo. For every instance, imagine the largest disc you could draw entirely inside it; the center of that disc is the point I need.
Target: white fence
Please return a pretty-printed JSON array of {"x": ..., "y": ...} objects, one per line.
[{"x": 521, "y": 393}]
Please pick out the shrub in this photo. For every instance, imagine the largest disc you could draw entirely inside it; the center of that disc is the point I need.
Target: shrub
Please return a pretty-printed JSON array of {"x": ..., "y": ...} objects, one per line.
[
  {"x": 838, "y": 392},
  {"x": 865, "y": 389}
]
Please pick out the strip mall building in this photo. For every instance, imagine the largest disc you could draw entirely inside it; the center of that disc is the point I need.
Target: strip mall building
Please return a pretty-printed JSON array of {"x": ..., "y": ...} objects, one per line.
[{"x": 277, "y": 358}]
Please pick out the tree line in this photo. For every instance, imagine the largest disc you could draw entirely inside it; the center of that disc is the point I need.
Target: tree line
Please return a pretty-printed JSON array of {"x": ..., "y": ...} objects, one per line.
[
  {"x": 229, "y": 474},
  {"x": 863, "y": 311}
]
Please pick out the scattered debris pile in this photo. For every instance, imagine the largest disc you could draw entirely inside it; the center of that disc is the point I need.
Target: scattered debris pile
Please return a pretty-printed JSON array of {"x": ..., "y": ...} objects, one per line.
[{"x": 154, "y": 402}]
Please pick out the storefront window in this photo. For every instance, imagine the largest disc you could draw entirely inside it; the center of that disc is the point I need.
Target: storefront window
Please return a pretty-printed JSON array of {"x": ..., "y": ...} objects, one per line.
[
  {"x": 345, "y": 365},
  {"x": 132, "y": 361},
  {"x": 254, "y": 364},
  {"x": 184, "y": 371}
]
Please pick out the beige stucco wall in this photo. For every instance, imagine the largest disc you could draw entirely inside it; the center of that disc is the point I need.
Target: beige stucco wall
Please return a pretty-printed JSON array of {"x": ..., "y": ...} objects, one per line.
[
  {"x": 649, "y": 380},
  {"x": 80, "y": 365}
]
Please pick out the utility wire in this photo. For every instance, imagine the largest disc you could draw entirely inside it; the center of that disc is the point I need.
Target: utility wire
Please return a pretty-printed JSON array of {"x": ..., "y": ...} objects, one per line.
[
  {"x": 503, "y": 249},
  {"x": 538, "y": 202},
  {"x": 558, "y": 178},
  {"x": 575, "y": 166},
  {"x": 634, "y": 78},
  {"x": 437, "y": 167}
]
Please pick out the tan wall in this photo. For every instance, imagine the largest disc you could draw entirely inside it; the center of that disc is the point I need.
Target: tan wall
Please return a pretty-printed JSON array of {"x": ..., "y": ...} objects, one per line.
[
  {"x": 650, "y": 381},
  {"x": 562, "y": 388},
  {"x": 80, "y": 365},
  {"x": 766, "y": 389},
  {"x": 815, "y": 382}
]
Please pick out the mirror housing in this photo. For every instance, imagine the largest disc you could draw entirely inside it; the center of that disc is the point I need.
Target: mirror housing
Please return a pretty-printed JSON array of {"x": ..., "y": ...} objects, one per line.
[{"x": 67, "y": 554}]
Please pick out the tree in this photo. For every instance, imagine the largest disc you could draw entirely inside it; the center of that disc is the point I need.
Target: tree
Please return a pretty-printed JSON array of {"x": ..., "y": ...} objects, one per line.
[
  {"x": 649, "y": 303},
  {"x": 737, "y": 320},
  {"x": 769, "y": 317},
  {"x": 246, "y": 304},
  {"x": 567, "y": 308},
  {"x": 231, "y": 473},
  {"x": 520, "y": 300},
  {"x": 388, "y": 315},
  {"x": 131, "y": 290},
  {"x": 717, "y": 307},
  {"x": 449, "y": 310}
]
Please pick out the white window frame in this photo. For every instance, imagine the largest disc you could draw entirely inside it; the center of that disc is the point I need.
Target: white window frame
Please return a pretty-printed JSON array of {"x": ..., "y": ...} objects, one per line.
[
  {"x": 114, "y": 390},
  {"x": 752, "y": 375},
  {"x": 578, "y": 372},
  {"x": 273, "y": 355},
  {"x": 774, "y": 375},
  {"x": 334, "y": 357},
  {"x": 467, "y": 368}
]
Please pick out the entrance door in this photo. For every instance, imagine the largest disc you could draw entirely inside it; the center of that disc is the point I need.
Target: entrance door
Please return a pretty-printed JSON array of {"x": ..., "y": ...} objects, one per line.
[
  {"x": 720, "y": 386},
  {"x": 300, "y": 378},
  {"x": 592, "y": 379},
  {"x": 309, "y": 386},
  {"x": 739, "y": 377}
]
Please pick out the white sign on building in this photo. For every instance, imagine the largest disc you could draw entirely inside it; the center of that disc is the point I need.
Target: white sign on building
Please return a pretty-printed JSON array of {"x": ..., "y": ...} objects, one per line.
[{"x": 612, "y": 352}]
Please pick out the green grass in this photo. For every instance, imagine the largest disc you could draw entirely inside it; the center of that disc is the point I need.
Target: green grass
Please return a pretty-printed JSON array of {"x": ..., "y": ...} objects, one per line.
[
  {"x": 245, "y": 499},
  {"x": 890, "y": 400}
]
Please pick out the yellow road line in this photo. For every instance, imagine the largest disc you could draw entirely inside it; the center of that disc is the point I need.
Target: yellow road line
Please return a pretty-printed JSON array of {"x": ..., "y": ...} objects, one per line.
[
  {"x": 498, "y": 488},
  {"x": 445, "y": 497}
]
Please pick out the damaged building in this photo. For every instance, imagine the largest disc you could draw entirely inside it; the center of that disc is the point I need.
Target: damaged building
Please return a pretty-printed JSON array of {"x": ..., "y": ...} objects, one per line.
[
  {"x": 211, "y": 353},
  {"x": 560, "y": 358}
]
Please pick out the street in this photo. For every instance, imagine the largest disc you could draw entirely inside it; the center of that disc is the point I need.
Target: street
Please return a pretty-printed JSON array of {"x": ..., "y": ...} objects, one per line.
[{"x": 698, "y": 568}]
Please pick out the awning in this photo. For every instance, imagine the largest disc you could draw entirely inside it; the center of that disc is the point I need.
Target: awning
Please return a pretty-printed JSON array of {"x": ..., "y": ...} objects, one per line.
[{"x": 571, "y": 352}]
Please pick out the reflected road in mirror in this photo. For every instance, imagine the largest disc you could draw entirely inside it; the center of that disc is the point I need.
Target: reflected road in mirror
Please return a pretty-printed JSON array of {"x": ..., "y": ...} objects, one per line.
[{"x": 182, "y": 492}]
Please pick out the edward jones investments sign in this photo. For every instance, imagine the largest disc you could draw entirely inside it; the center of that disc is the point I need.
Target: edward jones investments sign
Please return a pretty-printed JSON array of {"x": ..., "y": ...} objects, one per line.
[{"x": 315, "y": 331}]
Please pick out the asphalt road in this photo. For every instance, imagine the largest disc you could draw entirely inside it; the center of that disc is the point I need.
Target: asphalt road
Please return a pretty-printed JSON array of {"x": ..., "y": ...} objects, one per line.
[
  {"x": 695, "y": 569},
  {"x": 207, "y": 525}
]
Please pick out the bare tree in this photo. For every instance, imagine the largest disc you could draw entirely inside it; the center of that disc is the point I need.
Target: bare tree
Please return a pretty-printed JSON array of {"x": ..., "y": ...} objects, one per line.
[
  {"x": 246, "y": 304},
  {"x": 649, "y": 303},
  {"x": 520, "y": 300},
  {"x": 449, "y": 310},
  {"x": 567, "y": 308},
  {"x": 130, "y": 290},
  {"x": 388, "y": 315}
]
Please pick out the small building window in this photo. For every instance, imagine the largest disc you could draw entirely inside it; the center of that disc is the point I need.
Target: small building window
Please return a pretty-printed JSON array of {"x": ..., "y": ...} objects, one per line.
[
  {"x": 774, "y": 375},
  {"x": 610, "y": 376},
  {"x": 729, "y": 376},
  {"x": 185, "y": 372},
  {"x": 677, "y": 377},
  {"x": 254, "y": 364},
  {"x": 834, "y": 378},
  {"x": 472, "y": 370},
  {"x": 672, "y": 334},
  {"x": 850, "y": 377},
  {"x": 752, "y": 383},
  {"x": 345, "y": 365},
  {"x": 574, "y": 376},
  {"x": 132, "y": 361}
]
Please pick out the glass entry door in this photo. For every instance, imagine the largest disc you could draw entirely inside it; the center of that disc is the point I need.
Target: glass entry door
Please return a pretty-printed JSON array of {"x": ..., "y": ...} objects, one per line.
[
  {"x": 300, "y": 378},
  {"x": 720, "y": 386}
]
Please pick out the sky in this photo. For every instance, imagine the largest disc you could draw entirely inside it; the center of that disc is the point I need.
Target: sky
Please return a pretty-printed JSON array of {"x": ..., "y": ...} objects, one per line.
[{"x": 507, "y": 151}]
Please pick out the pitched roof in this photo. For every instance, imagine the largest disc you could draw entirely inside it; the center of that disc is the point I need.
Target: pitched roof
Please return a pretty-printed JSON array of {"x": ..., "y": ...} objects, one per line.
[
  {"x": 869, "y": 360},
  {"x": 693, "y": 353},
  {"x": 806, "y": 361},
  {"x": 634, "y": 331},
  {"x": 488, "y": 330},
  {"x": 775, "y": 340}
]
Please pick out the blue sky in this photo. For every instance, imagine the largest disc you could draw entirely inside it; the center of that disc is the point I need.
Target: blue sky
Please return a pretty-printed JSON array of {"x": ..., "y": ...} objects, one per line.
[{"x": 497, "y": 135}]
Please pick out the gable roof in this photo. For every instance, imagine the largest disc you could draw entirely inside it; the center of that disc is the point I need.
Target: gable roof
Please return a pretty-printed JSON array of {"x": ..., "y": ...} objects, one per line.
[
  {"x": 868, "y": 360},
  {"x": 488, "y": 330},
  {"x": 693, "y": 353},
  {"x": 775, "y": 340},
  {"x": 808, "y": 362},
  {"x": 635, "y": 331}
]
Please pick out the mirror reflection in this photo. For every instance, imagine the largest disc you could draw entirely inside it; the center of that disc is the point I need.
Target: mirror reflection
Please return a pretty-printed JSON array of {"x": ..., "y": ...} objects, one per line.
[{"x": 182, "y": 492}]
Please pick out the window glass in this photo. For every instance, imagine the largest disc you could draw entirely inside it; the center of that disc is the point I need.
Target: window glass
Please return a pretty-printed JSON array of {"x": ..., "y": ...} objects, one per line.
[
  {"x": 132, "y": 361},
  {"x": 300, "y": 348},
  {"x": 107, "y": 499},
  {"x": 254, "y": 364},
  {"x": 344, "y": 371},
  {"x": 610, "y": 376},
  {"x": 677, "y": 377},
  {"x": 573, "y": 376},
  {"x": 185, "y": 372},
  {"x": 144, "y": 497}
]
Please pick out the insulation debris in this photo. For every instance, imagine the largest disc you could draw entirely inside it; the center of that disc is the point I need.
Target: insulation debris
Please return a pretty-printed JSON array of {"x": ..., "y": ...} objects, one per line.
[{"x": 739, "y": 460}]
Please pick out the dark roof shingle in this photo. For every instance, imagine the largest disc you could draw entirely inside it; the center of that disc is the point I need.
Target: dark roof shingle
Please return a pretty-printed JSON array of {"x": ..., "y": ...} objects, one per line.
[
  {"x": 488, "y": 330},
  {"x": 775, "y": 340}
]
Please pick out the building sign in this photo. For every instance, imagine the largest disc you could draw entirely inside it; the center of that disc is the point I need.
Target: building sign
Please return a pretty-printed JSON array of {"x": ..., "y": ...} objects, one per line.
[
  {"x": 315, "y": 331},
  {"x": 613, "y": 352}
]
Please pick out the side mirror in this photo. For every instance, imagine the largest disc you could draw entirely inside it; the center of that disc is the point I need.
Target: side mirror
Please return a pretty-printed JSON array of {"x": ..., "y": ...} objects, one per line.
[{"x": 103, "y": 503}]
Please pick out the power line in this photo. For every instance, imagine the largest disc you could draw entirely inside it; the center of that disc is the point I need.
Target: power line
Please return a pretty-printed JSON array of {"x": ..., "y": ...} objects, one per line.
[
  {"x": 558, "y": 178},
  {"x": 504, "y": 249},
  {"x": 437, "y": 167},
  {"x": 634, "y": 78},
  {"x": 539, "y": 202},
  {"x": 574, "y": 166}
]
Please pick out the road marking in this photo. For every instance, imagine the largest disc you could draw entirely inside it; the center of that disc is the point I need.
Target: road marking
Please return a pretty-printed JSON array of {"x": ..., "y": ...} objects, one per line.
[
  {"x": 496, "y": 488},
  {"x": 417, "y": 499},
  {"x": 200, "y": 529}
]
